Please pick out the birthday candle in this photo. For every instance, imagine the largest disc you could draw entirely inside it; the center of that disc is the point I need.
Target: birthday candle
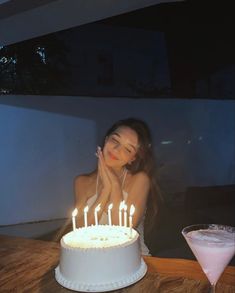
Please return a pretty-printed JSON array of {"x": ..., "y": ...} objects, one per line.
[
  {"x": 109, "y": 213},
  {"x": 96, "y": 214},
  {"x": 132, "y": 210},
  {"x": 125, "y": 215},
  {"x": 85, "y": 215},
  {"x": 120, "y": 212},
  {"x": 74, "y": 214}
]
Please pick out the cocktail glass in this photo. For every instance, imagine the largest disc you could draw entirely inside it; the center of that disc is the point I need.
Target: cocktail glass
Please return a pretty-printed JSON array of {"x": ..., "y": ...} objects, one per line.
[{"x": 213, "y": 246}]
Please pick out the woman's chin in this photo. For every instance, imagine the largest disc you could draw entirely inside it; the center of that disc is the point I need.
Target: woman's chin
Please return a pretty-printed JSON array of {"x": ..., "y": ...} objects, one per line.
[{"x": 112, "y": 163}]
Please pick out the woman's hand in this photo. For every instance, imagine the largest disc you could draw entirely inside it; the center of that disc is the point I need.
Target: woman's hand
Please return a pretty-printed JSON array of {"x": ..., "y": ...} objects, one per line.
[
  {"x": 114, "y": 180},
  {"x": 111, "y": 182},
  {"x": 103, "y": 172}
]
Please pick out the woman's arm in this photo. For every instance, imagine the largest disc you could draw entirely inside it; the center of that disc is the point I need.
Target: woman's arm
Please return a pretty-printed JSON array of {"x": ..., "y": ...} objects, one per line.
[
  {"x": 115, "y": 187},
  {"x": 80, "y": 190},
  {"x": 81, "y": 195}
]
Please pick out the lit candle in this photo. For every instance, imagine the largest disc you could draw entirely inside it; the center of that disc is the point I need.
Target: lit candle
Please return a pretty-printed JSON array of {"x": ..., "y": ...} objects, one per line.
[
  {"x": 125, "y": 214},
  {"x": 109, "y": 213},
  {"x": 120, "y": 212},
  {"x": 74, "y": 214},
  {"x": 96, "y": 213},
  {"x": 132, "y": 210},
  {"x": 85, "y": 215}
]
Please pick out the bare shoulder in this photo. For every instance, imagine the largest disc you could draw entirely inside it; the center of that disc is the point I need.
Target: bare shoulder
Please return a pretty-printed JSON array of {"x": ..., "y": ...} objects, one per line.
[
  {"x": 84, "y": 181},
  {"x": 138, "y": 180},
  {"x": 138, "y": 188},
  {"x": 141, "y": 176}
]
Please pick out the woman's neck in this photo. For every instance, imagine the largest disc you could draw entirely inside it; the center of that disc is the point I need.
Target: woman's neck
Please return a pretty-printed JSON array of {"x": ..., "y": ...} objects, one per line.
[{"x": 119, "y": 172}]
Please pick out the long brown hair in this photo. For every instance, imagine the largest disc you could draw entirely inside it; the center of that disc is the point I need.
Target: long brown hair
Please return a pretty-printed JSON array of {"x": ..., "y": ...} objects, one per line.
[{"x": 145, "y": 161}]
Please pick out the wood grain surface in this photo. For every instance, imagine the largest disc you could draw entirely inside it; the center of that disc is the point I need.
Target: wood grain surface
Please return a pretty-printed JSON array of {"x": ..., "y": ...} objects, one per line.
[{"x": 28, "y": 265}]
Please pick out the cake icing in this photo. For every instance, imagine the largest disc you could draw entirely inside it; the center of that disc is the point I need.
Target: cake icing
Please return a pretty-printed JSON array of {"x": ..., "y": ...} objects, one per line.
[{"x": 100, "y": 258}]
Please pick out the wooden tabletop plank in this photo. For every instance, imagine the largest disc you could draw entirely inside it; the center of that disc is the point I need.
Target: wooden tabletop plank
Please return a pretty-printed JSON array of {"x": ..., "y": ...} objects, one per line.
[
  {"x": 187, "y": 268},
  {"x": 28, "y": 265}
]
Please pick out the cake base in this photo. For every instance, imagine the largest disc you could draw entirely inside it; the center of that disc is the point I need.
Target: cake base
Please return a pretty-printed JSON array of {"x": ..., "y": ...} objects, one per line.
[{"x": 122, "y": 283}]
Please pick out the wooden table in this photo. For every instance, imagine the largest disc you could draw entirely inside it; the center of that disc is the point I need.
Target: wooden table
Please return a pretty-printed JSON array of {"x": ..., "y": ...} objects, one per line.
[{"x": 28, "y": 265}]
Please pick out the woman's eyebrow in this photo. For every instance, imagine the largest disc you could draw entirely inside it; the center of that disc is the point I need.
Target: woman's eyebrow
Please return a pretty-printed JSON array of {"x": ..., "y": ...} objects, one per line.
[{"x": 116, "y": 133}]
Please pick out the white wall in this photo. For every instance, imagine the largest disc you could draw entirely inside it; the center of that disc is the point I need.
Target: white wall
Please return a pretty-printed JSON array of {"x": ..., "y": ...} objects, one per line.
[{"x": 42, "y": 151}]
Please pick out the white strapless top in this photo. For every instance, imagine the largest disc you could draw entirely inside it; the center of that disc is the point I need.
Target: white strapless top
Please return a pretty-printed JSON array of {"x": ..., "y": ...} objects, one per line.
[{"x": 104, "y": 220}]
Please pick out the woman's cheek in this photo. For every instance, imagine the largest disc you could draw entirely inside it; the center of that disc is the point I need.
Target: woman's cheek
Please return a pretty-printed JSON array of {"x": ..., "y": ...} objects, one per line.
[{"x": 105, "y": 155}]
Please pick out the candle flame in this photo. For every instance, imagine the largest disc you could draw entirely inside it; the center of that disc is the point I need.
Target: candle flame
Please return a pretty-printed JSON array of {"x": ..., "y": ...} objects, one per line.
[
  {"x": 132, "y": 210},
  {"x": 110, "y": 206},
  {"x": 75, "y": 212},
  {"x": 86, "y": 209},
  {"x": 121, "y": 206},
  {"x": 97, "y": 208}
]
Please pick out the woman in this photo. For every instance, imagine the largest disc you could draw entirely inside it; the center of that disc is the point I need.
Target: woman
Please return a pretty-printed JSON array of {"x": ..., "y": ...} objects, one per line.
[{"x": 125, "y": 172}]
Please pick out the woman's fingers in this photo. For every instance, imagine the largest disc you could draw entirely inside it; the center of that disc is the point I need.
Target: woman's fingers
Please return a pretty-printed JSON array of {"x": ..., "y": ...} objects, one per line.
[
  {"x": 113, "y": 178},
  {"x": 103, "y": 170}
]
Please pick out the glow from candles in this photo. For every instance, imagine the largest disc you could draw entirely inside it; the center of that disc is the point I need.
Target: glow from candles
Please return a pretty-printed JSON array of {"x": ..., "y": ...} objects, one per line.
[
  {"x": 121, "y": 206},
  {"x": 96, "y": 214},
  {"x": 85, "y": 215},
  {"x": 125, "y": 215},
  {"x": 74, "y": 214},
  {"x": 132, "y": 210},
  {"x": 109, "y": 213}
]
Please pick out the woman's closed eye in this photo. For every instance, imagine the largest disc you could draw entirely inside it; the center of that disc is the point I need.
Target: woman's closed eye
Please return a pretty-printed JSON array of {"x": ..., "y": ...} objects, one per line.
[{"x": 127, "y": 150}]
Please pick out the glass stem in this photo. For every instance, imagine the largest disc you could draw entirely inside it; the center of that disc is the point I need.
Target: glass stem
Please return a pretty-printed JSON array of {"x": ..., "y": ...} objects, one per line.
[{"x": 212, "y": 290}]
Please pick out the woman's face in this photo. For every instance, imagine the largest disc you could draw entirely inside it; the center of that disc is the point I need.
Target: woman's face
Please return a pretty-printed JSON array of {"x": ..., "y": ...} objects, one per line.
[{"x": 121, "y": 147}]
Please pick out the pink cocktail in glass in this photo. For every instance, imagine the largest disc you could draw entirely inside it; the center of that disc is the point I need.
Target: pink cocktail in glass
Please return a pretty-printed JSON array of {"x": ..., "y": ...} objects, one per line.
[{"x": 213, "y": 246}]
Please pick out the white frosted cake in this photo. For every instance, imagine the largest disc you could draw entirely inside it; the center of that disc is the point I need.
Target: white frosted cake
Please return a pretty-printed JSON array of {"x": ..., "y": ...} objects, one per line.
[{"x": 100, "y": 258}]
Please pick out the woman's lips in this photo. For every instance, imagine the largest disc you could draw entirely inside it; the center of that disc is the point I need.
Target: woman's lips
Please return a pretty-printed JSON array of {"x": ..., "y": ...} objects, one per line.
[{"x": 112, "y": 156}]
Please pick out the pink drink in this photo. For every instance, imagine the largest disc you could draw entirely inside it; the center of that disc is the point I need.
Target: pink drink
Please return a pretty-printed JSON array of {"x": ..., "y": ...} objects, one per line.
[{"x": 213, "y": 248}]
